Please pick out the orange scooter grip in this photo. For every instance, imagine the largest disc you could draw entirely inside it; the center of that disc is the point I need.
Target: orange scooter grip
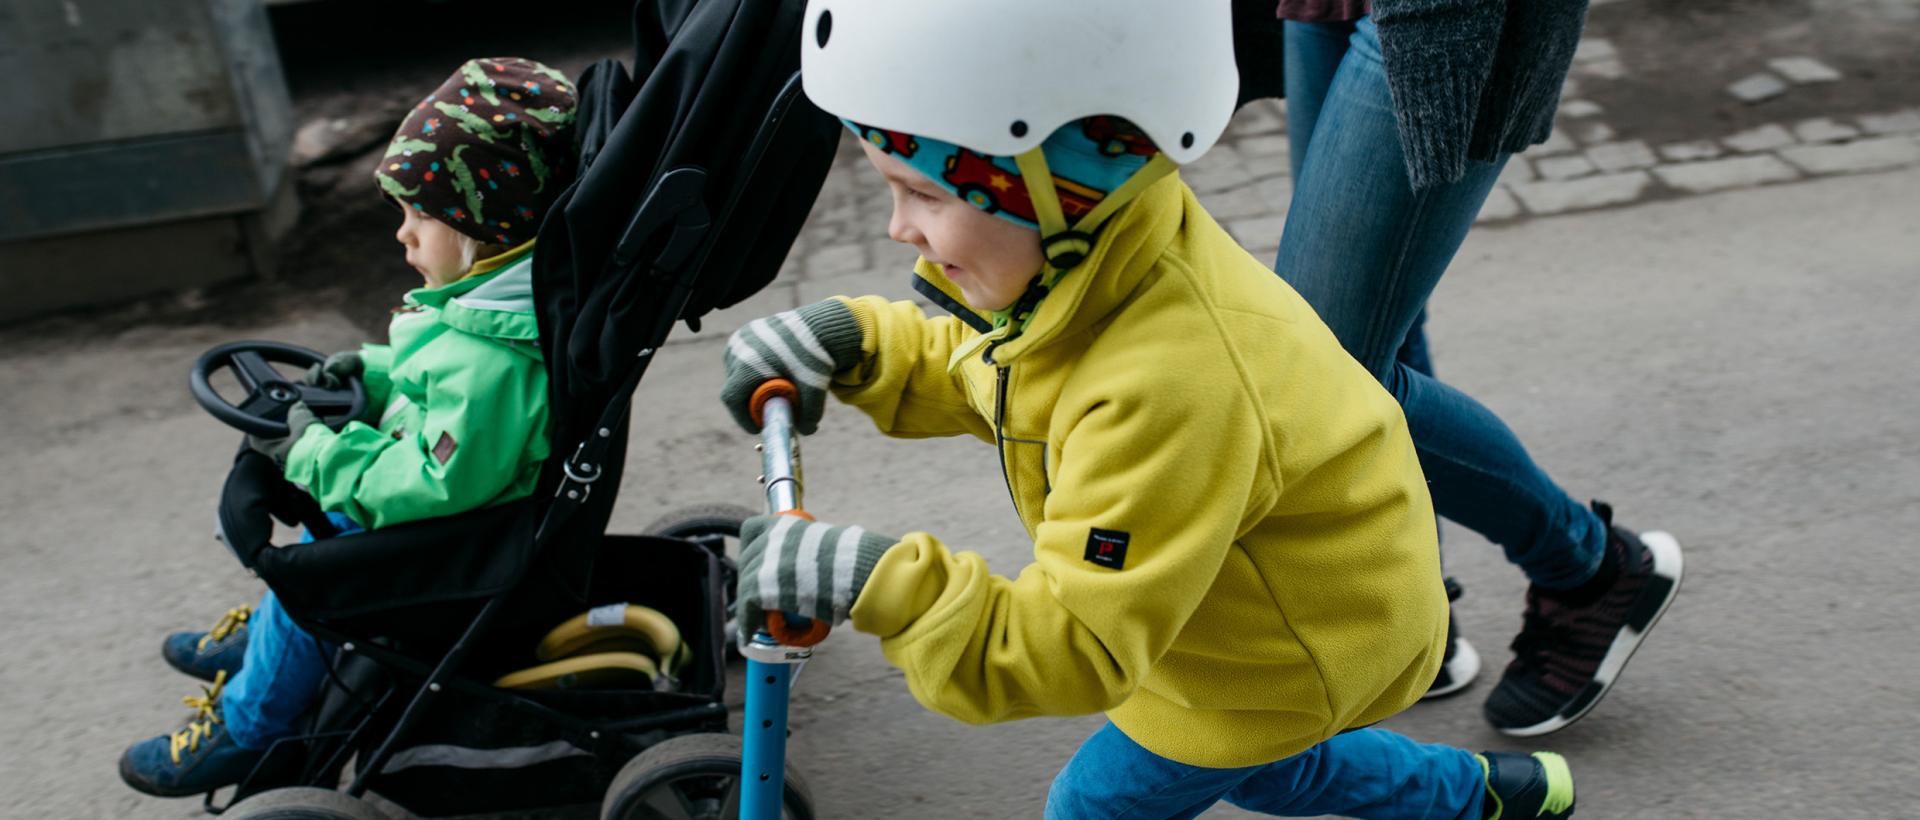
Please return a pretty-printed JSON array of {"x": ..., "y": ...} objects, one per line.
[
  {"x": 786, "y": 635},
  {"x": 767, "y": 390}
]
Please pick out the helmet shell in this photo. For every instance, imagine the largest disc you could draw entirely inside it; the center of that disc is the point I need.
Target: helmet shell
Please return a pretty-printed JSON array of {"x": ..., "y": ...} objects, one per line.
[{"x": 1000, "y": 76}]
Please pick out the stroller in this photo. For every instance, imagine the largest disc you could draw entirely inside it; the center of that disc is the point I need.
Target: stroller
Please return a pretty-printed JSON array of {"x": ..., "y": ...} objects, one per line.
[{"x": 696, "y": 173}]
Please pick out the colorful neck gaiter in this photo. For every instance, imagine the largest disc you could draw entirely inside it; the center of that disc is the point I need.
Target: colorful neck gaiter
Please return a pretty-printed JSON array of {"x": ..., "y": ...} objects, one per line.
[{"x": 1088, "y": 159}]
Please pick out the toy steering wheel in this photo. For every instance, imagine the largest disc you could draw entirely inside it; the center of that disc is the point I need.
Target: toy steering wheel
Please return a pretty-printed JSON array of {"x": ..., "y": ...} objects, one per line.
[{"x": 264, "y": 411}]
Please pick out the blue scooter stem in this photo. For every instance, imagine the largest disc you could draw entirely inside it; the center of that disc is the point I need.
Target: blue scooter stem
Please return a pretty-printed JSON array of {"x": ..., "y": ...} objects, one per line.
[
  {"x": 771, "y": 665},
  {"x": 763, "y": 765}
]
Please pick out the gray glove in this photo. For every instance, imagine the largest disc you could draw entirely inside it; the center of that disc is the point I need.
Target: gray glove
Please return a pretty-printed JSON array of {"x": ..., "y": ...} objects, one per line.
[
  {"x": 333, "y": 373},
  {"x": 299, "y": 418},
  {"x": 824, "y": 589},
  {"x": 805, "y": 346}
]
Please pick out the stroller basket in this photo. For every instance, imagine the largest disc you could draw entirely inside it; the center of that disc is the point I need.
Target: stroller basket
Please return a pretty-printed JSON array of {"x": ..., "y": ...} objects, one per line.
[{"x": 482, "y": 749}]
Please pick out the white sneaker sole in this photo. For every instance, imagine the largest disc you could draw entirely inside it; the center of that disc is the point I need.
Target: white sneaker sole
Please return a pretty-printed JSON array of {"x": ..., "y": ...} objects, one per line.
[
  {"x": 1668, "y": 565},
  {"x": 1461, "y": 671}
]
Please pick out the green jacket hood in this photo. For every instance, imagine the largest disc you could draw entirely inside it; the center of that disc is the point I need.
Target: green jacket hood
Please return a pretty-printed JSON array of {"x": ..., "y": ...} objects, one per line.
[{"x": 497, "y": 305}]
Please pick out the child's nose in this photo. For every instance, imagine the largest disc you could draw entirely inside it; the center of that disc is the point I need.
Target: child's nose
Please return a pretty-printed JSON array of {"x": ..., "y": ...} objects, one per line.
[{"x": 902, "y": 231}]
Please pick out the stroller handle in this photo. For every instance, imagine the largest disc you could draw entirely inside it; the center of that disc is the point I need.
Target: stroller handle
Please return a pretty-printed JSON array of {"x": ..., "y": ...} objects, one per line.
[{"x": 772, "y": 408}]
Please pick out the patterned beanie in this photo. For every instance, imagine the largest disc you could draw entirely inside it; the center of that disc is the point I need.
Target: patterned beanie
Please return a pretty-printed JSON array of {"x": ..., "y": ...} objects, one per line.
[
  {"x": 1088, "y": 158},
  {"x": 487, "y": 152}
]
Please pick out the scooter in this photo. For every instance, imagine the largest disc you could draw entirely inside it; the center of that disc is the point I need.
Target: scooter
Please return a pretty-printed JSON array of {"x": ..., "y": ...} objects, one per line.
[{"x": 776, "y": 653}]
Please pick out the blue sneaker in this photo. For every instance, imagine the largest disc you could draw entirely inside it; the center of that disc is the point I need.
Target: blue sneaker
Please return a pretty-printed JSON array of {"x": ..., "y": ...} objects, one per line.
[
  {"x": 199, "y": 758},
  {"x": 1526, "y": 786},
  {"x": 204, "y": 655}
]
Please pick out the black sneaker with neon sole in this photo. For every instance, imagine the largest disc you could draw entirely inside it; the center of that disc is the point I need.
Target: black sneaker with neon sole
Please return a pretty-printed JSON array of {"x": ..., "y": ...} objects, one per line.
[
  {"x": 1526, "y": 786},
  {"x": 1574, "y": 644}
]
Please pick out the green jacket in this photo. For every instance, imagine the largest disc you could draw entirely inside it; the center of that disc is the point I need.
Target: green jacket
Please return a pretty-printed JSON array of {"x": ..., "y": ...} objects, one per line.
[{"x": 464, "y": 395}]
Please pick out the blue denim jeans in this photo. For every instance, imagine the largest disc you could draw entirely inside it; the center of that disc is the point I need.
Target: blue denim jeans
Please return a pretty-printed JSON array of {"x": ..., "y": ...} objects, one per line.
[
  {"x": 1369, "y": 773},
  {"x": 1366, "y": 250},
  {"x": 282, "y": 671}
]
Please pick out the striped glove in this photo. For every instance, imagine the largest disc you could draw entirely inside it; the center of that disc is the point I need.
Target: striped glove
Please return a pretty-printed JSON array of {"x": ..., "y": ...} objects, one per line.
[
  {"x": 805, "y": 346},
  {"x": 803, "y": 567}
]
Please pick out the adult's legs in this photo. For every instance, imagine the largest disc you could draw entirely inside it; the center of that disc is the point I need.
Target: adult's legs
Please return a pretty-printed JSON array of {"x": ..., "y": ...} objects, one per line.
[
  {"x": 1365, "y": 250},
  {"x": 1312, "y": 56}
]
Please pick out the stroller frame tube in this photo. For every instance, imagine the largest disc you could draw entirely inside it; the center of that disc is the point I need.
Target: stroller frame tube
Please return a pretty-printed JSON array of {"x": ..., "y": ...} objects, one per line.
[{"x": 429, "y": 689}]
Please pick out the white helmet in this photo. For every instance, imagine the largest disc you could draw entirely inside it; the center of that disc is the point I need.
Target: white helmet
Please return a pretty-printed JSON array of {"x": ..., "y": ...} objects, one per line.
[{"x": 999, "y": 76}]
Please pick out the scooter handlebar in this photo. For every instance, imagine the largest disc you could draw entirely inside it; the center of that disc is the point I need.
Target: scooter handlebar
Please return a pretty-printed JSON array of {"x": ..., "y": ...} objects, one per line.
[
  {"x": 767, "y": 391},
  {"x": 782, "y": 464}
]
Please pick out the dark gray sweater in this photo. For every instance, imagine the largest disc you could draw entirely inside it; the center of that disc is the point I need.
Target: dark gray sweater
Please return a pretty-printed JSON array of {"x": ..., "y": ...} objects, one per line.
[{"x": 1472, "y": 79}]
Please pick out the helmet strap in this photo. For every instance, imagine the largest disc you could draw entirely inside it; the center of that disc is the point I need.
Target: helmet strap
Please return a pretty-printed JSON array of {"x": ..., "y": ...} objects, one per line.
[{"x": 1064, "y": 247}]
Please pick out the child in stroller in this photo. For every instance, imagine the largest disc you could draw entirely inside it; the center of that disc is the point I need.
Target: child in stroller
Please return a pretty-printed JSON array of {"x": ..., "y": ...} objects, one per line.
[{"x": 461, "y": 390}]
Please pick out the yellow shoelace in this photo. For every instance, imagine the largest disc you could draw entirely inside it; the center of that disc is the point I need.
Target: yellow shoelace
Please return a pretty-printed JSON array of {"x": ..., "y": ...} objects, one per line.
[
  {"x": 206, "y": 713},
  {"x": 234, "y": 619}
]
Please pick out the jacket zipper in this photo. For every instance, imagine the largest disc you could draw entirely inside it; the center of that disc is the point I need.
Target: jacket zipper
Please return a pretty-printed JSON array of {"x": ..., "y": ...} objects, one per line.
[{"x": 999, "y": 433}]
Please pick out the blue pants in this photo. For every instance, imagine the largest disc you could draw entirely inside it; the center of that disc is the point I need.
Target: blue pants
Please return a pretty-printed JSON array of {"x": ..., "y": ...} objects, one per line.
[
  {"x": 1365, "y": 250},
  {"x": 1370, "y": 773},
  {"x": 282, "y": 671}
]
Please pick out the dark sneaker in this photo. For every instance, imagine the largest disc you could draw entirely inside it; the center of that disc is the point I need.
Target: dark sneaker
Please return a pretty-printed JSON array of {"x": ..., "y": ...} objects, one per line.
[
  {"x": 205, "y": 655},
  {"x": 1526, "y": 786},
  {"x": 199, "y": 758},
  {"x": 1462, "y": 663},
  {"x": 1573, "y": 644}
]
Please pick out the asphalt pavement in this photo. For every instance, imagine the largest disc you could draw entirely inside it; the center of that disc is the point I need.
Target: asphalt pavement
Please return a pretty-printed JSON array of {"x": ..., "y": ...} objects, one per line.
[{"x": 1735, "y": 368}]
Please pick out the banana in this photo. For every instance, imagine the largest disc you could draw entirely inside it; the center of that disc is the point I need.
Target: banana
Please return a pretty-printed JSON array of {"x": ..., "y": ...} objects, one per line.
[
  {"x": 617, "y": 628},
  {"x": 605, "y": 670}
]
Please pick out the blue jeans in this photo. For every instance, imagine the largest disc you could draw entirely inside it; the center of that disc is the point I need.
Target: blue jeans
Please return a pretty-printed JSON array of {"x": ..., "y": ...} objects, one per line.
[
  {"x": 1369, "y": 773},
  {"x": 282, "y": 671},
  {"x": 1366, "y": 250}
]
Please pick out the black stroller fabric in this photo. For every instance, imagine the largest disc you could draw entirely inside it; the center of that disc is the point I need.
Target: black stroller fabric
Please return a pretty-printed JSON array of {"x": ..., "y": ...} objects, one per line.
[
  {"x": 689, "y": 200},
  {"x": 397, "y": 581},
  {"x": 602, "y": 285},
  {"x": 667, "y": 221}
]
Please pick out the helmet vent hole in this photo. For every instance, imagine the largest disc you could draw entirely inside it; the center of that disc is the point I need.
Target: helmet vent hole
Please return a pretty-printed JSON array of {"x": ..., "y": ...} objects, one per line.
[
  {"x": 1186, "y": 140},
  {"x": 1019, "y": 128},
  {"x": 823, "y": 28}
]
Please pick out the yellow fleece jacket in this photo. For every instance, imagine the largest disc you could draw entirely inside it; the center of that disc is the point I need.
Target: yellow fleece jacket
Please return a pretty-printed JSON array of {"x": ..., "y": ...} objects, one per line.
[{"x": 1234, "y": 549}]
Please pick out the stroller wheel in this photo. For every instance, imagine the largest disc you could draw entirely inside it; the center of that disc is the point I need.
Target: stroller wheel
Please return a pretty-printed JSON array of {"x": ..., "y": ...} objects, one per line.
[
  {"x": 304, "y": 803},
  {"x": 717, "y": 528},
  {"x": 692, "y": 777},
  {"x": 701, "y": 523}
]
